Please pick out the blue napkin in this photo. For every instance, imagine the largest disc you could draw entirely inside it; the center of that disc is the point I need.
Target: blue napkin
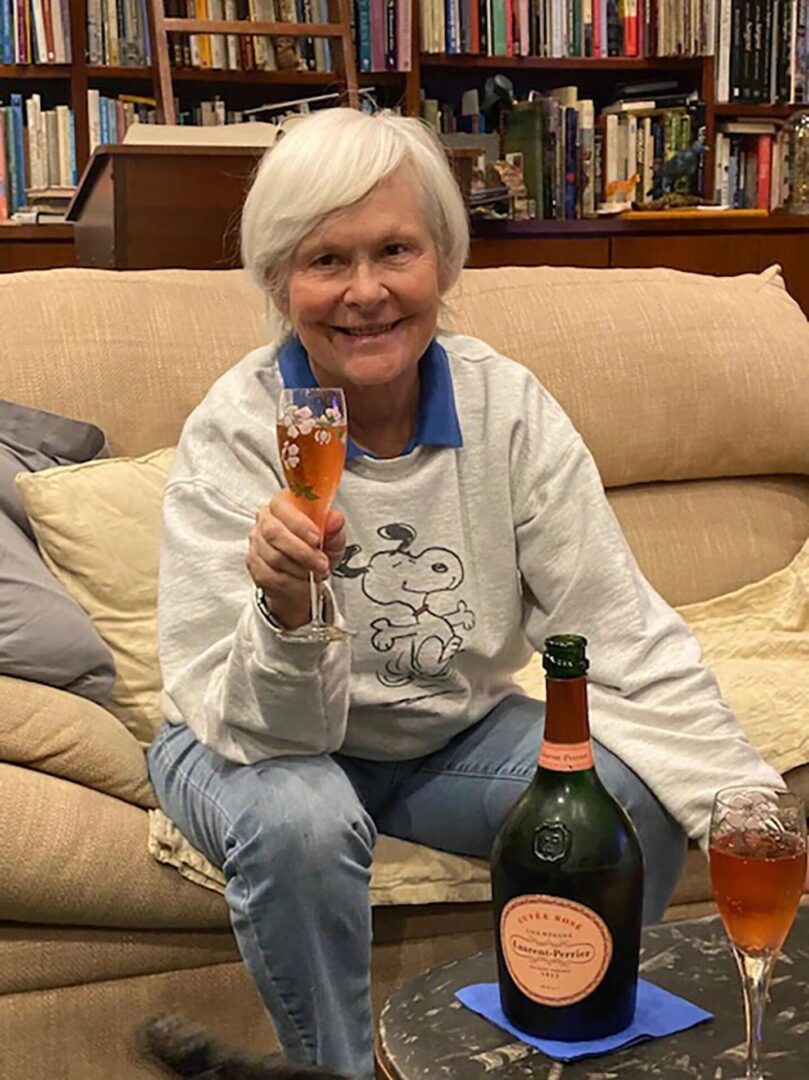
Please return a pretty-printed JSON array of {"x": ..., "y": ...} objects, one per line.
[{"x": 657, "y": 1013}]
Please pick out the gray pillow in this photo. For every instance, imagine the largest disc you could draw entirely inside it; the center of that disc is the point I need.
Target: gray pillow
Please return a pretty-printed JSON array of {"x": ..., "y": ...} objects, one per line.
[{"x": 44, "y": 635}]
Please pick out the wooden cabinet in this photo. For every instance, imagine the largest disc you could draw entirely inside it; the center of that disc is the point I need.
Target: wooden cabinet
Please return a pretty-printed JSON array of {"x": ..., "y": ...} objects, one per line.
[
  {"x": 702, "y": 244},
  {"x": 698, "y": 254},
  {"x": 36, "y": 247}
]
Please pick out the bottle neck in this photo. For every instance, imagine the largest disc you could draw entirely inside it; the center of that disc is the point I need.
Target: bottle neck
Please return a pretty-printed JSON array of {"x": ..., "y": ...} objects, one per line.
[{"x": 566, "y": 745}]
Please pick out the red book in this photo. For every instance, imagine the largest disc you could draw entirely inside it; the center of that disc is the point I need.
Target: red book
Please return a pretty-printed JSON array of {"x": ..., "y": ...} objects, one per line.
[
  {"x": 630, "y": 27},
  {"x": 404, "y": 35},
  {"x": 509, "y": 27},
  {"x": 597, "y": 27},
  {"x": 765, "y": 144},
  {"x": 377, "y": 35},
  {"x": 48, "y": 20},
  {"x": 474, "y": 27}
]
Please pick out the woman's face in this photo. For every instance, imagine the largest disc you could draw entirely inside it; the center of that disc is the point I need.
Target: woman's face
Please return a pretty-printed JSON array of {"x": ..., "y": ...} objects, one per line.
[{"x": 363, "y": 291}]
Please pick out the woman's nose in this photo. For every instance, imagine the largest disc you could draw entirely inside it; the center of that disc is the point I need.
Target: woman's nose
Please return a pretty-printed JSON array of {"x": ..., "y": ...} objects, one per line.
[{"x": 365, "y": 287}]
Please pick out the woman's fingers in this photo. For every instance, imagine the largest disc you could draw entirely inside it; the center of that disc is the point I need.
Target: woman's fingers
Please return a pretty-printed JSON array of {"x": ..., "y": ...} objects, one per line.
[
  {"x": 278, "y": 533},
  {"x": 334, "y": 537}
]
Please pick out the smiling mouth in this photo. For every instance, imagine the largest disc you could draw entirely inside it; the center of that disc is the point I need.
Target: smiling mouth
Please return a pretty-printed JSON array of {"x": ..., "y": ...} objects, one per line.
[{"x": 368, "y": 331}]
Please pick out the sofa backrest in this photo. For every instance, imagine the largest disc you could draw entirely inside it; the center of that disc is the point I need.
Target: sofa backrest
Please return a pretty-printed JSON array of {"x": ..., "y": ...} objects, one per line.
[{"x": 668, "y": 376}]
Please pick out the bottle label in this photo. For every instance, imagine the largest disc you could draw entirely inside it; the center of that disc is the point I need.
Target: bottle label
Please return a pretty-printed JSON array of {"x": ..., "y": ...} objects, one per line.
[
  {"x": 556, "y": 951},
  {"x": 566, "y": 757}
]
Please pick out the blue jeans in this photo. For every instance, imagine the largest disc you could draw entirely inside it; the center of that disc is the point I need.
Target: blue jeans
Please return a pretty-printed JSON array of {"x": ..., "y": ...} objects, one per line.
[{"x": 294, "y": 837}]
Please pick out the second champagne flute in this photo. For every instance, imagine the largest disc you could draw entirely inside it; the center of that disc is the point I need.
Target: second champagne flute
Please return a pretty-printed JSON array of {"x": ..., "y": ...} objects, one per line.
[
  {"x": 758, "y": 866},
  {"x": 312, "y": 433}
]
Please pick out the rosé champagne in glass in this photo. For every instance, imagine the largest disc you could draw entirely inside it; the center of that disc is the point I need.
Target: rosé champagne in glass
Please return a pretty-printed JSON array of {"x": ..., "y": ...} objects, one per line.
[
  {"x": 758, "y": 867},
  {"x": 312, "y": 432}
]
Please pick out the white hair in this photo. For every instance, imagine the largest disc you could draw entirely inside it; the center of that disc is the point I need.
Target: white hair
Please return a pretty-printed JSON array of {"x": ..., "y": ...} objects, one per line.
[{"x": 331, "y": 160}]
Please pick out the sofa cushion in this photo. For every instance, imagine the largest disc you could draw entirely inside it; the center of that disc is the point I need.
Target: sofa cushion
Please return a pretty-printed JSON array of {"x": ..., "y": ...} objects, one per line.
[
  {"x": 67, "y": 736},
  {"x": 667, "y": 375},
  {"x": 44, "y": 634},
  {"x": 98, "y": 528},
  {"x": 73, "y": 856},
  {"x": 134, "y": 351},
  {"x": 701, "y": 538}
]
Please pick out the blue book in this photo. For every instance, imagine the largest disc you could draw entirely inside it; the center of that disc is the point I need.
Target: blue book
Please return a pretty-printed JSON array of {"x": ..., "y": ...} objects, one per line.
[
  {"x": 18, "y": 125},
  {"x": 571, "y": 163},
  {"x": 102, "y": 121},
  {"x": 450, "y": 29},
  {"x": 5, "y": 37},
  {"x": 364, "y": 34},
  {"x": 146, "y": 48}
]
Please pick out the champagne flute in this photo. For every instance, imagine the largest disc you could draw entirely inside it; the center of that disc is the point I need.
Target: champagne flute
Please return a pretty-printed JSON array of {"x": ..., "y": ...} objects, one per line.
[
  {"x": 758, "y": 866},
  {"x": 312, "y": 433}
]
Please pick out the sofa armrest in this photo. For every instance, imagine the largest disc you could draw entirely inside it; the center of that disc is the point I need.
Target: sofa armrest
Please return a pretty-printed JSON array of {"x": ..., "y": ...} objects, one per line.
[{"x": 68, "y": 736}]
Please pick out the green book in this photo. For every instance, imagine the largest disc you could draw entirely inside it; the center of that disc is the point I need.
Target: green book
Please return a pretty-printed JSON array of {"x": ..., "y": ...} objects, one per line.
[{"x": 525, "y": 134}]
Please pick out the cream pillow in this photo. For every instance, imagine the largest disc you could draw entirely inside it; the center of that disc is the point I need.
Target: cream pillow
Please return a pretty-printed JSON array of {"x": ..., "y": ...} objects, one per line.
[
  {"x": 98, "y": 528},
  {"x": 756, "y": 642}
]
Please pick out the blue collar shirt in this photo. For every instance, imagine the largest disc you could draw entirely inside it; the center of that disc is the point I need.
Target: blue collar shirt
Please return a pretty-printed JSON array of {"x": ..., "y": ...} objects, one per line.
[{"x": 437, "y": 421}]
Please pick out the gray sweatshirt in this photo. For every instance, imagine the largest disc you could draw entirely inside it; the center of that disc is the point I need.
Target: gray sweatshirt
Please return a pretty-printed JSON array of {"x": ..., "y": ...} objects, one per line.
[{"x": 460, "y": 562}]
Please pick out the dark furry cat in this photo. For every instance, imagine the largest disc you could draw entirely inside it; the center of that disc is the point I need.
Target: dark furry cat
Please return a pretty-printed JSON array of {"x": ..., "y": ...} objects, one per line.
[{"x": 186, "y": 1049}]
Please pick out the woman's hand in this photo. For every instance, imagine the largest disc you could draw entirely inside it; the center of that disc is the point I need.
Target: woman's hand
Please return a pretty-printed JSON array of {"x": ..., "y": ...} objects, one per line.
[{"x": 284, "y": 546}]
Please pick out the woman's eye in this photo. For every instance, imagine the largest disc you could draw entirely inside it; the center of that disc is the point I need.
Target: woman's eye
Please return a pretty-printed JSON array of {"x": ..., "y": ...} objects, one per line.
[
  {"x": 326, "y": 260},
  {"x": 392, "y": 250}
]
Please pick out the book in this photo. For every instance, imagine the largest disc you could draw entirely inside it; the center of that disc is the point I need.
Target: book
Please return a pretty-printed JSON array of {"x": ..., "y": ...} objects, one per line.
[{"x": 524, "y": 134}]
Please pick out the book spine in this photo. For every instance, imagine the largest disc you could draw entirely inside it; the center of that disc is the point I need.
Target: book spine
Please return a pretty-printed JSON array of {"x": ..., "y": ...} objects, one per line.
[
  {"x": 615, "y": 33},
  {"x": 586, "y": 138},
  {"x": 19, "y": 150},
  {"x": 783, "y": 20},
  {"x": 757, "y": 78},
  {"x": 648, "y": 158},
  {"x": 378, "y": 34},
  {"x": 764, "y": 172},
  {"x": 630, "y": 28},
  {"x": 364, "y": 34},
  {"x": 3, "y": 168},
  {"x": 736, "y": 50},
  {"x": 571, "y": 162},
  {"x": 475, "y": 13},
  {"x": 499, "y": 19},
  {"x": 12, "y": 178},
  {"x": 47, "y": 17},
  {"x": 588, "y": 44},
  {"x": 6, "y": 27},
  {"x": 509, "y": 27},
  {"x": 390, "y": 35},
  {"x": 524, "y": 22},
  {"x": 597, "y": 46}
]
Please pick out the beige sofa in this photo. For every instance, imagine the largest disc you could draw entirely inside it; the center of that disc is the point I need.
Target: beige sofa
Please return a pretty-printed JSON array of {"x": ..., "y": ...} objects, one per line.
[{"x": 693, "y": 394}]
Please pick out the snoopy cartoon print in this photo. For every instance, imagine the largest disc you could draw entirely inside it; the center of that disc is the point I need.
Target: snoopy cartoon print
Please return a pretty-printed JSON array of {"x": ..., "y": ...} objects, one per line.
[{"x": 420, "y": 639}]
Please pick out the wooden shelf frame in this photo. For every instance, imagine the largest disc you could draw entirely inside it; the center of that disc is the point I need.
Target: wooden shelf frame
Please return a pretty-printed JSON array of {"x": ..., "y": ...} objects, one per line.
[{"x": 403, "y": 86}]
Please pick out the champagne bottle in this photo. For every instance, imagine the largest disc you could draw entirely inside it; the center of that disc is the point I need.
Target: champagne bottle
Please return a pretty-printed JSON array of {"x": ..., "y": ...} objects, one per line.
[{"x": 567, "y": 879}]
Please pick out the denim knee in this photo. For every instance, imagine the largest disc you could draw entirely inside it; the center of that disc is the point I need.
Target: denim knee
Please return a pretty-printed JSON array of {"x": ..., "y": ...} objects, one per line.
[{"x": 290, "y": 834}]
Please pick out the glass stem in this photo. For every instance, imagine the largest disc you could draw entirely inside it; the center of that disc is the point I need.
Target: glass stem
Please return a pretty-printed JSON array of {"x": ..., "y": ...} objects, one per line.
[
  {"x": 315, "y": 595},
  {"x": 314, "y": 600},
  {"x": 755, "y": 972}
]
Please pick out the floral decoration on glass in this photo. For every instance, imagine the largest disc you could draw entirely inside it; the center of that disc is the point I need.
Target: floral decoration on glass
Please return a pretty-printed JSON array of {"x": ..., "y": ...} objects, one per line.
[{"x": 300, "y": 427}]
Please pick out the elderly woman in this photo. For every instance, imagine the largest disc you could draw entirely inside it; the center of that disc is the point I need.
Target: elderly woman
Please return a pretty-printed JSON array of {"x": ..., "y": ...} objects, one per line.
[{"x": 282, "y": 758}]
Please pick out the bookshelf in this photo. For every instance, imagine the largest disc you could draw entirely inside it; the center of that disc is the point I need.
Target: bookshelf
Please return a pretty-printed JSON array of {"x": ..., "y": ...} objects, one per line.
[
  {"x": 441, "y": 75},
  {"x": 69, "y": 82}
]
